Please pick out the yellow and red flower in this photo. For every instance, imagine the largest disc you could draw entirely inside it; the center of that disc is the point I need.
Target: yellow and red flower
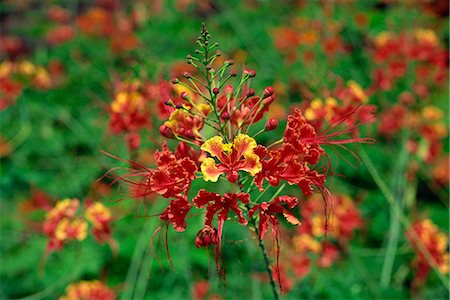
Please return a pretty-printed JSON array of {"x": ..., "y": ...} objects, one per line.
[
  {"x": 425, "y": 235},
  {"x": 88, "y": 290},
  {"x": 100, "y": 217},
  {"x": 62, "y": 225},
  {"x": 233, "y": 157}
]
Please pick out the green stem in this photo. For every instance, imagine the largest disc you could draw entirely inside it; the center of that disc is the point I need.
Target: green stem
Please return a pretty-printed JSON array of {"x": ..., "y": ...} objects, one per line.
[
  {"x": 276, "y": 294},
  {"x": 137, "y": 276},
  {"x": 401, "y": 216},
  {"x": 399, "y": 189}
]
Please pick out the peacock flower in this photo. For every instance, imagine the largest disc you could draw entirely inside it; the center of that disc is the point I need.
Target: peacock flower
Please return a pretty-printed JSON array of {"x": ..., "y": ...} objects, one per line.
[
  {"x": 188, "y": 121},
  {"x": 268, "y": 212},
  {"x": 88, "y": 290},
  {"x": 71, "y": 229},
  {"x": 233, "y": 157},
  {"x": 100, "y": 217}
]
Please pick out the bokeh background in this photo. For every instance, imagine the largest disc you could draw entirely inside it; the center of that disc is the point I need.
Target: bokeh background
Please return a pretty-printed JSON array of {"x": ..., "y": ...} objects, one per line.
[{"x": 64, "y": 63}]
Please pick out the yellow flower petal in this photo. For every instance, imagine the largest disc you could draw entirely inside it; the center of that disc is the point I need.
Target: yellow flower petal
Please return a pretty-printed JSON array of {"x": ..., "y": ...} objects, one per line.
[
  {"x": 209, "y": 170},
  {"x": 243, "y": 143},
  {"x": 213, "y": 146}
]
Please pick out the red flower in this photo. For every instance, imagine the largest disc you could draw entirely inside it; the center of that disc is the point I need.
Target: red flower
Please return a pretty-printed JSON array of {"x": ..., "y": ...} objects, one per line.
[
  {"x": 269, "y": 210},
  {"x": 329, "y": 254},
  {"x": 302, "y": 136},
  {"x": 287, "y": 164},
  {"x": 171, "y": 178},
  {"x": 129, "y": 110},
  {"x": 221, "y": 205},
  {"x": 173, "y": 175},
  {"x": 176, "y": 213},
  {"x": 301, "y": 265},
  {"x": 435, "y": 241},
  {"x": 100, "y": 217},
  {"x": 60, "y": 34}
]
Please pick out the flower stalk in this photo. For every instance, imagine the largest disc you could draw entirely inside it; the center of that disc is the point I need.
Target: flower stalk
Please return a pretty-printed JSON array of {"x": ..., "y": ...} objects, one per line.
[{"x": 262, "y": 247}]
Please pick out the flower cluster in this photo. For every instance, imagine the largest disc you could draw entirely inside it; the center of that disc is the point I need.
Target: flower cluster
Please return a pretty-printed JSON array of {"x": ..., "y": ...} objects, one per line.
[
  {"x": 425, "y": 236},
  {"x": 316, "y": 243},
  {"x": 418, "y": 53},
  {"x": 101, "y": 20},
  {"x": 88, "y": 290},
  {"x": 63, "y": 223},
  {"x": 130, "y": 110},
  {"x": 13, "y": 76},
  {"x": 303, "y": 35},
  {"x": 346, "y": 104},
  {"x": 216, "y": 125}
]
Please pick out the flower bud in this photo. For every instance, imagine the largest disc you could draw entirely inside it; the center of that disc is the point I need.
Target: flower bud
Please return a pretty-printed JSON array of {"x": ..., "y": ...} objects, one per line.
[
  {"x": 166, "y": 131},
  {"x": 268, "y": 91},
  {"x": 229, "y": 62},
  {"x": 133, "y": 140},
  {"x": 225, "y": 116},
  {"x": 271, "y": 124},
  {"x": 250, "y": 73},
  {"x": 219, "y": 53},
  {"x": 189, "y": 134},
  {"x": 228, "y": 90},
  {"x": 175, "y": 81},
  {"x": 206, "y": 236},
  {"x": 215, "y": 90},
  {"x": 184, "y": 95},
  {"x": 233, "y": 73},
  {"x": 168, "y": 102},
  {"x": 179, "y": 105},
  {"x": 187, "y": 75},
  {"x": 250, "y": 92}
]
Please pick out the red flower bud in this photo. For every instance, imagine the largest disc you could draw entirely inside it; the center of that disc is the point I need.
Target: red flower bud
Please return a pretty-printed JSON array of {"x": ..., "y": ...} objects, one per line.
[
  {"x": 187, "y": 75},
  {"x": 228, "y": 89},
  {"x": 250, "y": 92},
  {"x": 229, "y": 62},
  {"x": 166, "y": 131},
  {"x": 206, "y": 237},
  {"x": 175, "y": 80},
  {"x": 215, "y": 90},
  {"x": 271, "y": 124},
  {"x": 133, "y": 140},
  {"x": 225, "y": 116},
  {"x": 268, "y": 91},
  {"x": 189, "y": 134},
  {"x": 233, "y": 73},
  {"x": 184, "y": 95},
  {"x": 250, "y": 73}
]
